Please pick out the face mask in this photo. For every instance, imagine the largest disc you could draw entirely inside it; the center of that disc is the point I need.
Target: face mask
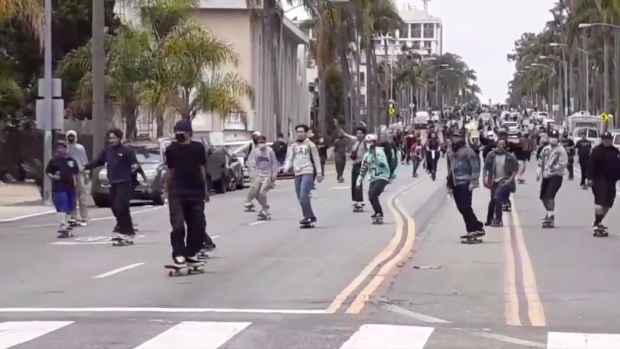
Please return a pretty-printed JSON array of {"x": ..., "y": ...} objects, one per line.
[
  {"x": 71, "y": 139},
  {"x": 179, "y": 137},
  {"x": 554, "y": 141},
  {"x": 262, "y": 145}
]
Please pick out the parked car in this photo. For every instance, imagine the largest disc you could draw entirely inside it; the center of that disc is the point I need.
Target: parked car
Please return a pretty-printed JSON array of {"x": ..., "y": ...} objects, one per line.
[
  {"x": 233, "y": 177},
  {"x": 218, "y": 161},
  {"x": 150, "y": 155}
]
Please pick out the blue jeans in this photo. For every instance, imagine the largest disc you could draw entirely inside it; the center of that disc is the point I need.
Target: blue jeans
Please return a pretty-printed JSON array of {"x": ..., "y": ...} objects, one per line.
[
  {"x": 303, "y": 186},
  {"x": 499, "y": 195}
]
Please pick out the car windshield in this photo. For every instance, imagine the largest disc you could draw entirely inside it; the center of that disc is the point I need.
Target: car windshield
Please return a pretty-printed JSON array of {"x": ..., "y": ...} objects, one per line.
[
  {"x": 510, "y": 124},
  {"x": 588, "y": 133},
  {"x": 617, "y": 140},
  {"x": 147, "y": 154}
]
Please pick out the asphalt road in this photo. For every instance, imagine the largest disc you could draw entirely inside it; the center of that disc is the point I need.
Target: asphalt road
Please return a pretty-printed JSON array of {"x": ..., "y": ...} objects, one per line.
[{"x": 408, "y": 284}]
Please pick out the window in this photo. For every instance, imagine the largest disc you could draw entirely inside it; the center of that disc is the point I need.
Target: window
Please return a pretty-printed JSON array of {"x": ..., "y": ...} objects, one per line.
[
  {"x": 591, "y": 133},
  {"x": 617, "y": 140},
  {"x": 147, "y": 154},
  {"x": 362, "y": 79},
  {"x": 416, "y": 30},
  {"x": 416, "y": 45},
  {"x": 429, "y": 30},
  {"x": 363, "y": 101},
  {"x": 404, "y": 31},
  {"x": 427, "y": 45}
]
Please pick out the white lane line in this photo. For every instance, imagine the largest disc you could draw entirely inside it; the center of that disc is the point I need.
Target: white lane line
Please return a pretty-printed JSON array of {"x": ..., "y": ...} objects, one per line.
[
  {"x": 389, "y": 336},
  {"x": 564, "y": 340},
  {"x": 150, "y": 209},
  {"x": 26, "y": 216},
  {"x": 196, "y": 335},
  {"x": 257, "y": 222},
  {"x": 413, "y": 315},
  {"x": 510, "y": 340},
  {"x": 162, "y": 310},
  {"x": 17, "y": 332},
  {"x": 116, "y": 271}
]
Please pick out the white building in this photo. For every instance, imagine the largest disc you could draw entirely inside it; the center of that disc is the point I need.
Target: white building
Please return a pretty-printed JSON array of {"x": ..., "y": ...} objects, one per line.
[{"x": 232, "y": 21}]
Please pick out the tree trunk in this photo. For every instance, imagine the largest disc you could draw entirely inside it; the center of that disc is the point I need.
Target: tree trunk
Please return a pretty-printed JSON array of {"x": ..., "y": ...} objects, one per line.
[
  {"x": 131, "y": 117},
  {"x": 616, "y": 78},
  {"x": 374, "y": 66},
  {"x": 159, "y": 119},
  {"x": 606, "y": 104},
  {"x": 370, "y": 88},
  {"x": 347, "y": 83}
]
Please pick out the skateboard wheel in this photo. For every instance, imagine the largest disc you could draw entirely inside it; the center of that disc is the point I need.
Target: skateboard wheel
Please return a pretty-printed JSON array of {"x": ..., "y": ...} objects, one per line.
[{"x": 170, "y": 273}]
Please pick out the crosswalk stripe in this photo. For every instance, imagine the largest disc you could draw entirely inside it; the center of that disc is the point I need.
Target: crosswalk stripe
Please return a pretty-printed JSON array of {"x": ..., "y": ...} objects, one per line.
[
  {"x": 389, "y": 337},
  {"x": 195, "y": 335},
  {"x": 17, "y": 332},
  {"x": 564, "y": 340}
]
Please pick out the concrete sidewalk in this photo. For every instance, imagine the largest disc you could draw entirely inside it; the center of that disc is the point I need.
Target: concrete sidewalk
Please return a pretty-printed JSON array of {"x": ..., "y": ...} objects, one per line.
[{"x": 21, "y": 201}]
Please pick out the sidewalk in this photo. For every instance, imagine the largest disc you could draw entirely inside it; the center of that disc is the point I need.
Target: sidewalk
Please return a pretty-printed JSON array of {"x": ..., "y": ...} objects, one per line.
[{"x": 21, "y": 201}]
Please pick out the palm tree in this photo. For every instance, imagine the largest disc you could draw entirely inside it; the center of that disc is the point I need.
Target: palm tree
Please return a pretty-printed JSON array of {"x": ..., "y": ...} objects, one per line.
[{"x": 30, "y": 10}]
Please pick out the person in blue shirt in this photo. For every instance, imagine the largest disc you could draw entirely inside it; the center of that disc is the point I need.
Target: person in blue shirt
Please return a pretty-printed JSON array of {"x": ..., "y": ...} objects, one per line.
[
  {"x": 122, "y": 167},
  {"x": 376, "y": 163},
  {"x": 63, "y": 171}
]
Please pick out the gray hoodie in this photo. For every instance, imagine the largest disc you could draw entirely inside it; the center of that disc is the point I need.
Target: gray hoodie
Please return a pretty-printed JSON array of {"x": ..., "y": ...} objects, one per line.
[
  {"x": 263, "y": 163},
  {"x": 302, "y": 156},
  {"x": 553, "y": 160},
  {"x": 77, "y": 151}
]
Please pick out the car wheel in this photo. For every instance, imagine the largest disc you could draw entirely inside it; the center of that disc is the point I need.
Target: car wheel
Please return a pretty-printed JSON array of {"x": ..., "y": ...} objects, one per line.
[
  {"x": 101, "y": 201},
  {"x": 240, "y": 183},
  {"x": 232, "y": 185},
  {"x": 158, "y": 201}
]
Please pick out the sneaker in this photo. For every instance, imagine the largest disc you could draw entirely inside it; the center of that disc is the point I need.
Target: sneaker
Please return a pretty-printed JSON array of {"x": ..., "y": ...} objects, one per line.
[
  {"x": 210, "y": 247},
  {"x": 193, "y": 261},
  {"x": 179, "y": 261}
]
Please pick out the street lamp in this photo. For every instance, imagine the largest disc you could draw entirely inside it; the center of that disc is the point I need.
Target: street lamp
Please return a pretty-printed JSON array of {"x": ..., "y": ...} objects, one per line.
[
  {"x": 586, "y": 67},
  {"x": 590, "y": 25},
  {"x": 437, "y": 83},
  {"x": 565, "y": 104}
]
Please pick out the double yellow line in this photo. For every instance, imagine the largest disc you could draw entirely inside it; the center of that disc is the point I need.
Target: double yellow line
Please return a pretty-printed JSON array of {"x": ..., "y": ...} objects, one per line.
[
  {"x": 385, "y": 261},
  {"x": 520, "y": 282}
]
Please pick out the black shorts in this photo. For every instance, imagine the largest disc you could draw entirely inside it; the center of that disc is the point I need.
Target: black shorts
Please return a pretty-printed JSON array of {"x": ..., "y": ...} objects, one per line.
[
  {"x": 549, "y": 187},
  {"x": 604, "y": 193}
]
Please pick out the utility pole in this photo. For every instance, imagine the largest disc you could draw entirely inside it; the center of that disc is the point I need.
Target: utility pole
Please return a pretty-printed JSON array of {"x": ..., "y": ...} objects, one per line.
[
  {"x": 48, "y": 87},
  {"x": 98, "y": 76}
]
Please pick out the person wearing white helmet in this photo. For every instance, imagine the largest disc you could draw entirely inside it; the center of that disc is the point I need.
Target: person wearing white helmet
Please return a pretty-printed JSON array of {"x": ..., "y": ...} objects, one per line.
[{"x": 374, "y": 161}]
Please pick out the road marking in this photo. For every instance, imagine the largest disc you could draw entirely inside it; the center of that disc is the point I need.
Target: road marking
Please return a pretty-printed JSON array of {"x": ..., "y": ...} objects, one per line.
[
  {"x": 257, "y": 222},
  {"x": 116, "y": 271},
  {"x": 562, "y": 340},
  {"x": 342, "y": 187},
  {"x": 374, "y": 283},
  {"x": 17, "y": 332},
  {"x": 510, "y": 282},
  {"x": 389, "y": 336},
  {"x": 379, "y": 258},
  {"x": 150, "y": 209},
  {"x": 162, "y": 310},
  {"x": 26, "y": 216},
  {"x": 535, "y": 309},
  {"x": 411, "y": 314},
  {"x": 511, "y": 340},
  {"x": 196, "y": 335},
  {"x": 91, "y": 240}
]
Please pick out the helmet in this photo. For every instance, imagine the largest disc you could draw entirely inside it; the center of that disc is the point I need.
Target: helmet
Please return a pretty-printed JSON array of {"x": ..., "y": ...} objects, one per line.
[{"x": 371, "y": 138}]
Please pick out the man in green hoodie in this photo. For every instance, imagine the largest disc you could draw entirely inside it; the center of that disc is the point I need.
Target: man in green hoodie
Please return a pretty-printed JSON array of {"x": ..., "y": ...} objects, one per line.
[{"x": 376, "y": 162}]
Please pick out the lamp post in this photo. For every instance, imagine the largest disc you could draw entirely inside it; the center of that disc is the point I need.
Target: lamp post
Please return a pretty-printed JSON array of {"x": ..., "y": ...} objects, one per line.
[
  {"x": 565, "y": 103},
  {"x": 98, "y": 76},
  {"x": 48, "y": 93},
  {"x": 586, "y": 68},
  {"x": 437, "y": 83}
]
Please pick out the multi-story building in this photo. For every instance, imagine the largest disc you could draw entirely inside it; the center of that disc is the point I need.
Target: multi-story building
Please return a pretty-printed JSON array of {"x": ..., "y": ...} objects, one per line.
[{"x": 234, "y": 22}]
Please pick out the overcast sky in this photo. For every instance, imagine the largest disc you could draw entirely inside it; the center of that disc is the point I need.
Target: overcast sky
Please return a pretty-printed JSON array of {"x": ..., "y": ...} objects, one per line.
[{"x": 483, "y": 33}]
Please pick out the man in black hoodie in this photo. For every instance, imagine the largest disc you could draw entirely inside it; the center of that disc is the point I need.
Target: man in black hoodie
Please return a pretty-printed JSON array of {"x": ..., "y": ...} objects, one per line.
[
  {"x": 603, "y": 173},
  {"x": 122, "y": 167},
  {"x": 584, "y": 148}
]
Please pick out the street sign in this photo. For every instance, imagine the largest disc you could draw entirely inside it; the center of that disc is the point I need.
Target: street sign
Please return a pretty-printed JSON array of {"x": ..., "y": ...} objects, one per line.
[
  {"x": 605, "y": 117},
  {"x": 392, "y": 111}
]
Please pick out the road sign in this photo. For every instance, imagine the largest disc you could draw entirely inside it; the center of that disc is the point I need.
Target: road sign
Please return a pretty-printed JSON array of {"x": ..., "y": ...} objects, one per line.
[
  {"x": 605, "y": 117},
  {"x": 392, "y": 111}
]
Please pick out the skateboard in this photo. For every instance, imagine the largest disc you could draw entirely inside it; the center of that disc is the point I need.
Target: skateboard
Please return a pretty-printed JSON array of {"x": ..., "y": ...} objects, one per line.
[
  {"x": 263, "y": 218},
  {"x": 202, "y": 255},
  {"x": 506, "y": 208},
  {"x": 600, "y": 233},
  {"x": 358, "y": 209},
  {"x": 341, "y": 181},
  {"x": 64, "y": 234},
  {"x": 377, "y": 220},
  {"x": 174, "y": 270},
  {"x": 306, "y": 225},
  {"x": 249, "y": 209},
  {"x": 548, "y": 225},
  {"x": 466, "y": 239},
  {"x": 121, "y": 242},
  {"x": 521, "y": 181}
]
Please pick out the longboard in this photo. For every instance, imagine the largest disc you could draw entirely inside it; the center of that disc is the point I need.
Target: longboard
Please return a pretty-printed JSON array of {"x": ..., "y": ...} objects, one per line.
[
  {"x": 174, "y": 270},
  {"x": 465, "y": 239},
  {"x": 307, "y": 226}
]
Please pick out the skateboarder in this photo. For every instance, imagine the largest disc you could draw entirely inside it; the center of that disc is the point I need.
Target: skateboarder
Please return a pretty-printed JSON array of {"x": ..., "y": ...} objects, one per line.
[
  {"x": 63, "y": 171},
  {"x": 375, "y": 161}
]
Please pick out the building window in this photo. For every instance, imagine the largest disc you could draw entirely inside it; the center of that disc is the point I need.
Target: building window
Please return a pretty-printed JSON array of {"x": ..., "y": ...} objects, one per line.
[
  {"x": 416, "y": 30},
  {"x": 404, "y": 31},
  {"x": 416, "y": 45},
  {"x": 363, "y": 101},
  {"x": 235, "y": 120},
  {"x": 429, "y": 30},
  {"x": 362, "y": 79},
  {"x": 427, "y": 45}
]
